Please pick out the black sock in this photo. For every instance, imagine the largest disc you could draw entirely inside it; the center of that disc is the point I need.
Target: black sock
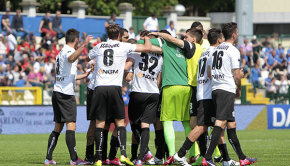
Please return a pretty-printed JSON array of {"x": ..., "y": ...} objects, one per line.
[
  {"x": 105, "y": 145},
  {"x": 99, "y": 143},
  {"x": 224, "y": 152},
  {"x": 185, "y": 147},
  {"x": 134, "y": 150},
  {"x": 52, "y": 141},
  {"x": 136, "y": 130},
  {"x": 71, "y": 144},
  {"x": 202, "y": 142},
  {"x": 90, "y": 152},
  {"x": 159, "y": 144},
  {"x": 145, "y": 136},
  {"x": 113, "y": 147},
  {"x": 214, "y": 138},
  {"x": 122, "y": 139},
  {"x": 233, "y": 139},
  {"x": 166, "y": 151}
]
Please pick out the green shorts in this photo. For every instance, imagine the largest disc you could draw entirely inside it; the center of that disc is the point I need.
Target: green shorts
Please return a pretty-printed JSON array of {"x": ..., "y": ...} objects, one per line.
[{"x": 175, "y": 103}]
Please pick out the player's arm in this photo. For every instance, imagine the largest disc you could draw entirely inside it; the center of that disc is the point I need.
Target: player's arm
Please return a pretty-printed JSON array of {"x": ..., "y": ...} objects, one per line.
[
  {"x": 159, "y": 79},
  {"x": 146, "y": 47},
  {"x": 6, "y": 25},
  {"x": 40, "y": 25},
  {"x": 169, "y": 38},
  {"x": 237, "y": 78},
  {"x": 85, "y": 75},
  {"x": 129, "y": 76},
  {"x": 129, "y": 63},
  {"x": 74, "y": 56},
  {"x": 156, "y": 49},
  {"x": 106, "y": 24}
]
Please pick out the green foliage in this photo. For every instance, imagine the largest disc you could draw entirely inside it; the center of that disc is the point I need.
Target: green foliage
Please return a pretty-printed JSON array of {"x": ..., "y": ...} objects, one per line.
[
  {"x": 51, "y": 5},
  {"x": 102, "y": 7}
]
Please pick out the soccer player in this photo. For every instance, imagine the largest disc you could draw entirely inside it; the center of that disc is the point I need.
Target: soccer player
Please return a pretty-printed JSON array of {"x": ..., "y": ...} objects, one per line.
[
  {"x": 205, "y": 110},
  {"x": 175, "y": 99},
  {"x": 144, "y": 97},
  {"x": 63, "y": 99},
  {"x": 107, "y": 102},
  {"x": 224, "y": 69}
]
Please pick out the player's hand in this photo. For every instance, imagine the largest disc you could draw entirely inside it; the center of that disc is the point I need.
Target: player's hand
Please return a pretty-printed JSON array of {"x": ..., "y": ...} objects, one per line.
[
  {"x": 238, "y": 93},
  {"x": 88, "y": 39}
]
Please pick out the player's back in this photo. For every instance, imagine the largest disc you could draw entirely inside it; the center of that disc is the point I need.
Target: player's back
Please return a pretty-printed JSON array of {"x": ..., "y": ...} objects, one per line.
[
  {"x": 225, "y": 58},
  {"x": 147, "y": 66},
  {"x": 110, "y": 62},
  {"x": 203, "y": 82},
  {"x": 65, "y": 72}
]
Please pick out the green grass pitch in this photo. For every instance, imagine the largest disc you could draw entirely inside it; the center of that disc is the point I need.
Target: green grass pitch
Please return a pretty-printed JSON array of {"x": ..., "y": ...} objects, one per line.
[{"x": 271, "y": 147}]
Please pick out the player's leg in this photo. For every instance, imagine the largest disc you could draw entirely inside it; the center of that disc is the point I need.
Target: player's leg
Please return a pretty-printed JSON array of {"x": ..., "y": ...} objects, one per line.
[
  {"x": 90, "y": 142},
  {"x": 114, "y": 146},
  {"x": 100, "y": 124},
  {"x": 159, "y": 142},
  {"x": 145, "y": 136},
  {"x": 70, "y": 140},
  {"x": 52, "y": 141},
  {"x": 105, "y": 143},
  {"x": 136, "y": 135},
  {"x": 233, "y": 139}
]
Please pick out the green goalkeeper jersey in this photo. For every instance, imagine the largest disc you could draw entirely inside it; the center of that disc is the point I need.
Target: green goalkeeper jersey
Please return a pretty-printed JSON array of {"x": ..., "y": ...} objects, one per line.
[{"x": 174, "y": 70}]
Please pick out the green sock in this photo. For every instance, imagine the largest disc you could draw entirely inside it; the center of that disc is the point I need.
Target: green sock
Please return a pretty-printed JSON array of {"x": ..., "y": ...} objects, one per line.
[
  {"x": 216, "y": 152},
  {"x": 169, "y": 136}
]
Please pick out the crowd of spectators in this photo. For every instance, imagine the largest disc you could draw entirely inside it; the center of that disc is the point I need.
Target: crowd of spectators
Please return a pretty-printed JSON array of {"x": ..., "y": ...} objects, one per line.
[{"x": 267, "y": 66}]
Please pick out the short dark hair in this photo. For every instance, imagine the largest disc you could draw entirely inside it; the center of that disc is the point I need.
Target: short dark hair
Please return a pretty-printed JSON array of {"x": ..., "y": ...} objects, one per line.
[
  {"x": 195, "y": 33},
  {"x": 113, "y": 31},
  {"x": 132, "y": 41},
  {"x": 144, "y": 33},
  {"x": 71, "y": 35},
  {"x": 165, "y": 31},
  {"x": 122, "y": 31},
  {"x": 197, "y": 24},
  {"x": 213, "y": 35},
  {"x": 229, "y": 29}
]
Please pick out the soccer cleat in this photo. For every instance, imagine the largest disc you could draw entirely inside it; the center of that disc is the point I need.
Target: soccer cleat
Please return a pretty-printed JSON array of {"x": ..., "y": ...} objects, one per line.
[
  {"x": 138, "y": 163},
  {"x": 207, "y": 163},
  {"x": 231, "y": 163},
  {"x": 106, "y": 162},
  {"x": 182, "y": 161},
  {"x": 49, "y": 162},
  {"x": 150, "y": 162},
  {"x": 248, "y": 161},
  {"x": 158, "y": 161},
  {"x": 98, "y": 163},
  {"x": 125, "y": 160},
  {"x": 89, "y": 160},
  {"x": 218, "y": 159},
  {"x": 147, "y": 156},
  {"x": 198, "y": 161},
  {"x": 169, "y": 160},
  {"x": 116, "y": 161},
  {"x": 191, "y": 160},
  {"x": 79, "y": 162}
]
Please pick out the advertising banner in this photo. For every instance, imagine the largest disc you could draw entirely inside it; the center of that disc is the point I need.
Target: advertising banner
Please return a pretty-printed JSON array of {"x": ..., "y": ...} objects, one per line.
[{"x": 278, "y": 116}]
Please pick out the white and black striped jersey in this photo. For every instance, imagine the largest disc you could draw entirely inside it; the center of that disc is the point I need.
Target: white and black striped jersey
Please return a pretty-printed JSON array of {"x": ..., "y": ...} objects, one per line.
[
  {"x": 146, "y": 68},
  {"x": 224, "y": 59},
  {"x": 204, "y": 88},
  {"x": 110, "y": 62},
  {"x": 66, "y": 72}
]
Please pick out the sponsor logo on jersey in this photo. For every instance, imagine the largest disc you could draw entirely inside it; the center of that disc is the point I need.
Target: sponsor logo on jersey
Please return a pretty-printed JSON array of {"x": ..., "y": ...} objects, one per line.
[
  {"x": 203, "y": 81},
  {"x": 140, "y": 75},
  {"x": 218, "y": 76},
  {"x": 179, "y": 52},
  {"x": 103, "y": 71},
  {"x": 147, "y": 76},
  {"x": 59, "y": 79}
]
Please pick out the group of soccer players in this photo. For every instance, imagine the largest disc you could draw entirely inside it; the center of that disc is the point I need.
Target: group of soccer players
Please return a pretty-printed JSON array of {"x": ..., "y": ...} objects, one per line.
[{"x": 187, "y": 80}]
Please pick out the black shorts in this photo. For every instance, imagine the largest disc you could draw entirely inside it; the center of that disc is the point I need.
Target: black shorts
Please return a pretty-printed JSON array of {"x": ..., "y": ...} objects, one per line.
[
  {"x": 205, "y": 113},
  {"x": 143, "y": 107},
  {"x": 224, "y": 102},
  {"x": 158, "y": 112},
  {"x": 89, "y": 99},
  {"x": 64, "y": 107},
  {"x": 193, "y": 103},
  {"x": 107, "y": 103}
]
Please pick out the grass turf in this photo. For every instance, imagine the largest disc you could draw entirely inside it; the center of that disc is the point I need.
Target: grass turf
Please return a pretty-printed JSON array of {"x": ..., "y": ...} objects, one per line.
[{"x": 271, "y": 147}]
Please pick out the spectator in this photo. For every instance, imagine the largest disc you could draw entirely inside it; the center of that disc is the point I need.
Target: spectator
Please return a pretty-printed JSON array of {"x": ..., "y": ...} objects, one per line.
[
  {"x": 256, "y": 49},
  {"x": 271, "y": 89},
  {"x": 111, "y": 20},
  {"x": 171, "y": 29},
  {"x": 56, "y": 25},
  {"x": 266, "y": 42},
  {"x": 98, "y": 40},
  {"x": 16, "y": 73},
  {"x": 255, "y": 74},
  {"x": 10, "y": 61},
  {"x": 283, "y": 85},
  {"x": 21, "y": 82},
  {"x": 46, "y": 41},
  {"x": 3, "y": 76},
  {"x": 2, "y": 62},
  {"x": 270, "y": 61},
  {"x": 281, "y": 63},
  {"x": 151, "y": 23},
  {"x": 45, "y": 25},
  {"x": 267, "y": 50},
  {"x": 125, "y": 95},
  {"x": 17, "y": 25},
  {"x": 3, "y": 48},
  {"x": 280, "y": 50},
  {"x": 5, "y": 21},
  {"x": 248, "y": 50},
  {"x": 131, "y": 33},
  {"x": 12, "y": 43},
  {"x": 34, "y": 78}
]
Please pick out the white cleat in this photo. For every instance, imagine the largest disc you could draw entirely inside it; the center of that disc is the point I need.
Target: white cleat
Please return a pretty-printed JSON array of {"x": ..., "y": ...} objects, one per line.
[
  {"x": 182, "y": 161},
  {"x": 150, "y": 162},
  {"x": 231, "y": 163}
]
